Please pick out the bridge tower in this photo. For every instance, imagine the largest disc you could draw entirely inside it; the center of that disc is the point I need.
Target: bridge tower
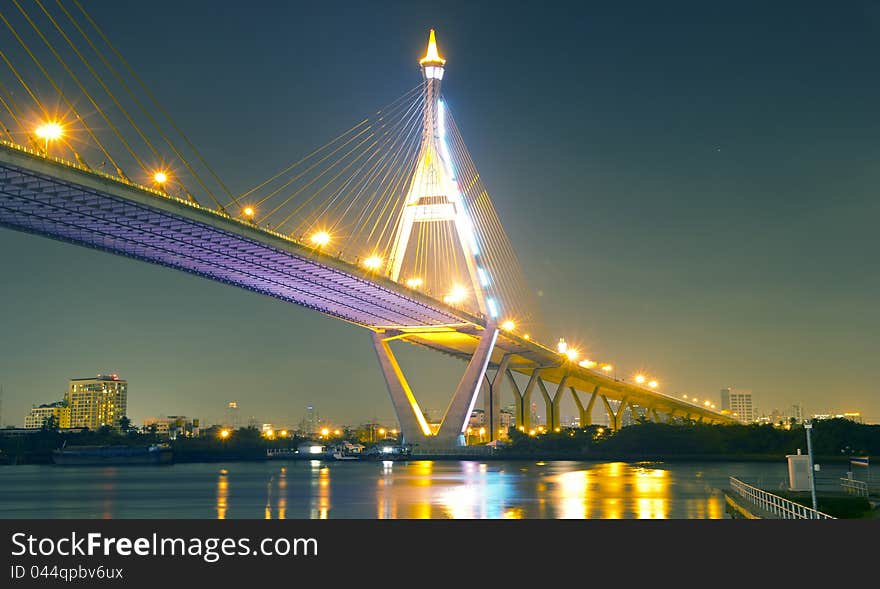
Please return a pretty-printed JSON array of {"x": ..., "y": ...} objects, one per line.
[{"x": 433, "y": 195}]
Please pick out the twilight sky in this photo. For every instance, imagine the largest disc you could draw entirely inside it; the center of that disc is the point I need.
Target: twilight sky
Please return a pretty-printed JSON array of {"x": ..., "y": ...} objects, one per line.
[{"x": 690, "y": 185}]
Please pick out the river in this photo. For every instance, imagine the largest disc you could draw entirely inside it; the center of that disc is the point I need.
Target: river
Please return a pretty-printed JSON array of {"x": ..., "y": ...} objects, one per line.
[{"x": 410, "y": 490}]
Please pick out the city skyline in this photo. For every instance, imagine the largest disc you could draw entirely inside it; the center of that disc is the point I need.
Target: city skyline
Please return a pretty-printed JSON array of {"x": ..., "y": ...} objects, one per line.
[{"x": 717, "y": 276}]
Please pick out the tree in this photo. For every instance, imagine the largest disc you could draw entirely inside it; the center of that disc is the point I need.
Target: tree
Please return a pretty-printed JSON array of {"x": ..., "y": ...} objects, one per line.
[
  {"x": 124, "y": 424},
  {"x": 50, "y": 423}
]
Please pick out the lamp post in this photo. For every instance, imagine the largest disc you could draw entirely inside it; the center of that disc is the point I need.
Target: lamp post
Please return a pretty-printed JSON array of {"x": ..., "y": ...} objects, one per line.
[{"x": 808, "y": 426}]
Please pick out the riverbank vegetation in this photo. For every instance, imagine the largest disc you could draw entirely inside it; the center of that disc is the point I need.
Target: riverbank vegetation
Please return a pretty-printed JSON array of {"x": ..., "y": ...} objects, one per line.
[{"x": 832, "y": 439}]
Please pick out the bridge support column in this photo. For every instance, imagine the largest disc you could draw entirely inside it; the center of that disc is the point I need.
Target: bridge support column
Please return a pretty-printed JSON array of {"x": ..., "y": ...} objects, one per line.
[
  {"x": 492, "y": 400},
  {"x": 548, "y": 405},
  {"x": 652, "y": 413},
  {"x": 615, "y": 420},
  {"x": 455, "y": 420},
  {"x": 586, "y": 413},
  {"x": 523, "y": 415},
  {"x": 553, "y": 419},
  {"x": 414, "y": 427}
]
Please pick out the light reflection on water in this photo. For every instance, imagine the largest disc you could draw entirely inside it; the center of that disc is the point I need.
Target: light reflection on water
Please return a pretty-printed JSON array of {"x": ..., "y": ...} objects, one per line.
[{"x": 416, "y": 489}]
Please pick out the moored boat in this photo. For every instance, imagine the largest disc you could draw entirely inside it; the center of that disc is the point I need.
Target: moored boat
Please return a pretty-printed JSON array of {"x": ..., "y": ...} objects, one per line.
[{"x": 112, "y": 455}]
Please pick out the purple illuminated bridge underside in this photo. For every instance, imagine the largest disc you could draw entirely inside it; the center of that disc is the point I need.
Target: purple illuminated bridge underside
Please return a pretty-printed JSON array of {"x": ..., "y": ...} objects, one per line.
[{"x": 58, "y": 200}]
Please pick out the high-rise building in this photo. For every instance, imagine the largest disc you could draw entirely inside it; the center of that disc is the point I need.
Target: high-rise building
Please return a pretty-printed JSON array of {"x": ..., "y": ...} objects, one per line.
[
  {"x": 311, "y": 421},
  {"x": 95, "y": 402},
  {"x": 40, "y": 413},
  {"x": 232, "y": 414},
  {"x": 739, "y": 402}
]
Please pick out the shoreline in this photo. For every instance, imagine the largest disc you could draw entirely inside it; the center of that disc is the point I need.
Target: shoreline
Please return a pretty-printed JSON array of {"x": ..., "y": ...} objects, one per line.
[{"x": 488, "y": 457}]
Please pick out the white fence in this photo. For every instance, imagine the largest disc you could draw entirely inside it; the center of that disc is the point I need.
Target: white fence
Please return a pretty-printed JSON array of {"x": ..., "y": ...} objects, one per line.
[
  {"x": 778, "y": 506},
  {"x": 854, "y": 487}
]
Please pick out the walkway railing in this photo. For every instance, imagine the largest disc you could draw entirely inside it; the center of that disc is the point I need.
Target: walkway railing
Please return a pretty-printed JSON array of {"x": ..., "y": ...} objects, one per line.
[
  {"x": 778, "y": 506},
  {"x": 854, "y": 487}
]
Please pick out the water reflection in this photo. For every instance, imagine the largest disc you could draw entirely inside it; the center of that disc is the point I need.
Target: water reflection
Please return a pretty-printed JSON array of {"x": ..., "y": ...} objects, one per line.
[
  {"x": 652, "y": 488},
  {"x": 279, "y": 481},
  {"x": 108, "y": 490},
  {"x": 320, "y": 479},
  {"x": 389, "y": 490},
  {"x": 222, "y": 493},
  {"x": 282, "y": 493}
]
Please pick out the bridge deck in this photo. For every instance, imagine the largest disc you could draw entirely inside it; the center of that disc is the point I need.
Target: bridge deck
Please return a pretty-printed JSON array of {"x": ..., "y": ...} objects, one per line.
[{"x": 63, "y": 201}]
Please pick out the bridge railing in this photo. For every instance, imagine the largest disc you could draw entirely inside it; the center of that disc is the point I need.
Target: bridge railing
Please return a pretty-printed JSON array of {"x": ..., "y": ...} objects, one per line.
[{"x": 778, "y": 506}]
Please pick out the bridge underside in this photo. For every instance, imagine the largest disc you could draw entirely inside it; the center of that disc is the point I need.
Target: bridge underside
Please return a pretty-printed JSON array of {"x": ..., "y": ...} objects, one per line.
[
  {"x": 59, "y": 200},
  {"x": 44, "y": 197}
]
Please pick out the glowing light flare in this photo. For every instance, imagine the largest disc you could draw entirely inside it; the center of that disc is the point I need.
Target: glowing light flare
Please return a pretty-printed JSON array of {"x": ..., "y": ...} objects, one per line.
[
  {"x": 457, "y": 295},
  {"x": 653, "y": 384},
  {"x": 321, "y": 238},
  {"x": 373, "y": 263},
  {"x": 224, "y": 433},
  {"x": 414, "y": 282},
  {"x": 607, "y": 367},
  {"x": 571, "y": 354},
  {"x": 49, "y": 131},
  {"x": 561, "y": 346},
  {"x": 587, "y": 363},
  {"x": 160, "y": 177},
  {"x": 325, "y": 431},
  {"x": 249, "y": 212},
  {"x": 640, "y": 378},
  {"x": 431, "y": 55},
  {"x": 508, "y": 325}
]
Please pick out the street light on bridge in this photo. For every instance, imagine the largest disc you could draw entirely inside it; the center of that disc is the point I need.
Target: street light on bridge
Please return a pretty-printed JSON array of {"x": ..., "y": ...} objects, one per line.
[
  {"x": 249, "y": 212},
  {"x": 640, "y": 378},
  {"x": 508, "y": 325},
  {"x": 50, "y": 131},
  {"x": 373, "y": 263},
  {"x": 321, "y": 238},
  {"x": 457, "y": 295}
]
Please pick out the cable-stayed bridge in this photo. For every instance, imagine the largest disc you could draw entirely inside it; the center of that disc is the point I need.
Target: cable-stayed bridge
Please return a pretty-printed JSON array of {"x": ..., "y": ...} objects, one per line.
[{"x": 387, "y": 226}]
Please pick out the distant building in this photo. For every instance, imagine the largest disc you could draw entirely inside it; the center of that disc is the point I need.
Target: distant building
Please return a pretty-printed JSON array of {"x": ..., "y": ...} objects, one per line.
[
  {"x": 478, "y": 418},
  {"x": 795, "y": 412},
  {"x": 533, "y": 415},
  {"x": 739, "y": 402},
  {"x": 40, "y": 413},
  {"x": 172, "y": 426},
  {"x": 506, "y": 420},
  {"x": 95, "y": 402},
  {"x": 311, "y": 422},
  {"x": 232, "y": 414}
]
